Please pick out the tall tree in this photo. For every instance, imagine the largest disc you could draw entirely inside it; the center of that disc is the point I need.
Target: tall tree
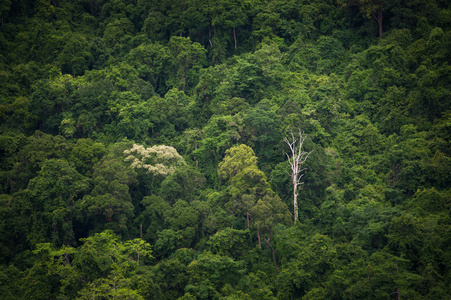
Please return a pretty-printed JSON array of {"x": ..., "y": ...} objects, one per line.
[
  {"x": 298, "y": 157},
  {"x": 48, "y": 202},
  {"x": 187, "y": 59},
  {"x": 109, "y": 204},
  {"x": 268, "y": 212},
  {"x": 246, "y": 181},
  {"x": 4, "y": 8},
  {"x": 370, "y": 8}
]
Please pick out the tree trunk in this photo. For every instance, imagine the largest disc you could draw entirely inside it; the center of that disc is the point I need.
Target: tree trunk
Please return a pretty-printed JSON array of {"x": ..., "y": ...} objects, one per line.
[
  {"x": 151, "y": 184},
  {"x": 295, "y": 197},
  {"x": 259, "y": 239},
  {"x": 247, "y": 219},
  {"x": 234, "y": 36},
  {"x": 297, "y": 159},
  {"x": 379, "y": 19},
  {"x": 273, "y": 255},
  {"x": 209, "y": 37}
]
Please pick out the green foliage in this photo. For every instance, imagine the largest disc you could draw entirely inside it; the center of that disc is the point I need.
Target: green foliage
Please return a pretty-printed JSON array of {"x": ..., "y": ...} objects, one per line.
[
  {"x": 185, "y": 183},
  {"x": 108, "y": 206},
  {"x": 380, "y": 275},
  {"x": 187, "y": 59},
  {"x": 49, "y": 201},
  {"x": 245, "y": 177},
  {"x": 86, "y": 153},
  {"x": 223, "y": 81},
  {"x": 75, "y": 56},
  {"x": 155, "y": 208},
  {"x": 236, "y": 160},
  {"x": 268, "y": 212},
  {"x": 210, "y": 273},
  {"x": 229, "y": 242}
]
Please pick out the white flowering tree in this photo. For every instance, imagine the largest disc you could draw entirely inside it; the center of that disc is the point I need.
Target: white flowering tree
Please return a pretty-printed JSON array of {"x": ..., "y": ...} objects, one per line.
[{"x": 157, "y": 161}]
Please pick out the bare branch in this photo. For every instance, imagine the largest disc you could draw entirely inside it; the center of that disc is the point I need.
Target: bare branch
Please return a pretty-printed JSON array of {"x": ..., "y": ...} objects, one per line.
[{"x": 297, "y": 158}]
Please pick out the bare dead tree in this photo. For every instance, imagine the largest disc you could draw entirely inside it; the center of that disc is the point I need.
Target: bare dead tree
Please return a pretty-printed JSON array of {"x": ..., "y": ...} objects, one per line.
[{"x": 297, "y": 158}]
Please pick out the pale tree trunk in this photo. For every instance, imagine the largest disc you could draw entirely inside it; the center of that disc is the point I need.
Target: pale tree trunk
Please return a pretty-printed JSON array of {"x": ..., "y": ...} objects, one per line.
[
  {"x": 295, "y": 196},
  {"x": 298, "y": 157},
  {"x": 209, "y": 37}
]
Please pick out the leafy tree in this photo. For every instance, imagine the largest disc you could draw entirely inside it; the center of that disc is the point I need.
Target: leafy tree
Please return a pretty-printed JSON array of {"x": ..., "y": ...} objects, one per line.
[
  {"x": 207, "y": 90},
  {"x": 36, "y": 149},
  {"x": 210, "y": 273},
  {"x": 229, "y": 242},
  {"x": 113, "y": 287},
  {"x": 171, "y": 274},
  {"x": 386, "y": 275},
  {"x": 109, "y": 260},
  {"x": 49, "y": 202},
  {"x": 187, "y": 58},
  {"x": 168, "y": 242},
  {"x": 219, "y": 134},
  {"x": 117, "y": 31},
  {"x": 10, "y": 144},
  {"x": 86, "y": 153},
  {"x": 4, "y": 8},
  {"x": 266, "y": 213},
  {"x": 236, "y": 160},
  {"x": 228, "y": 15},
  {"x": 50, "y": 100},
  {"x": 152, "y": 218},
  {"x": 185, "y": 183},
  {"x": 246, "y": 181},
  {"x": 370, "y": 8},
  {"x": 184, "y": 218},
  {"x": 138, "y": 248},
  {"x": 257, "y": 76},
  {"x": 75, "y": 56},
  {"x": 150, "y": 61},
  {"x": 100, "y": 53},
  {"x": 110, "y": 196},
  {"x": 261, "y": 131},
  {"x": 16, "y": 115},
  {"x": 156, "y": 119}
]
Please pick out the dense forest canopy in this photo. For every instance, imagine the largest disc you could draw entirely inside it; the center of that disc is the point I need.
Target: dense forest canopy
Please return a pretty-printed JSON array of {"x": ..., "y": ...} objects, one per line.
[{"x": 142, "y": 151}]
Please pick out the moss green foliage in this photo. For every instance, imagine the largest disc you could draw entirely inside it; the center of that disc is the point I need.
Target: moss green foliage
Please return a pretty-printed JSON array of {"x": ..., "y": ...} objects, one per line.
[{"x": 142, "y": 151}]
